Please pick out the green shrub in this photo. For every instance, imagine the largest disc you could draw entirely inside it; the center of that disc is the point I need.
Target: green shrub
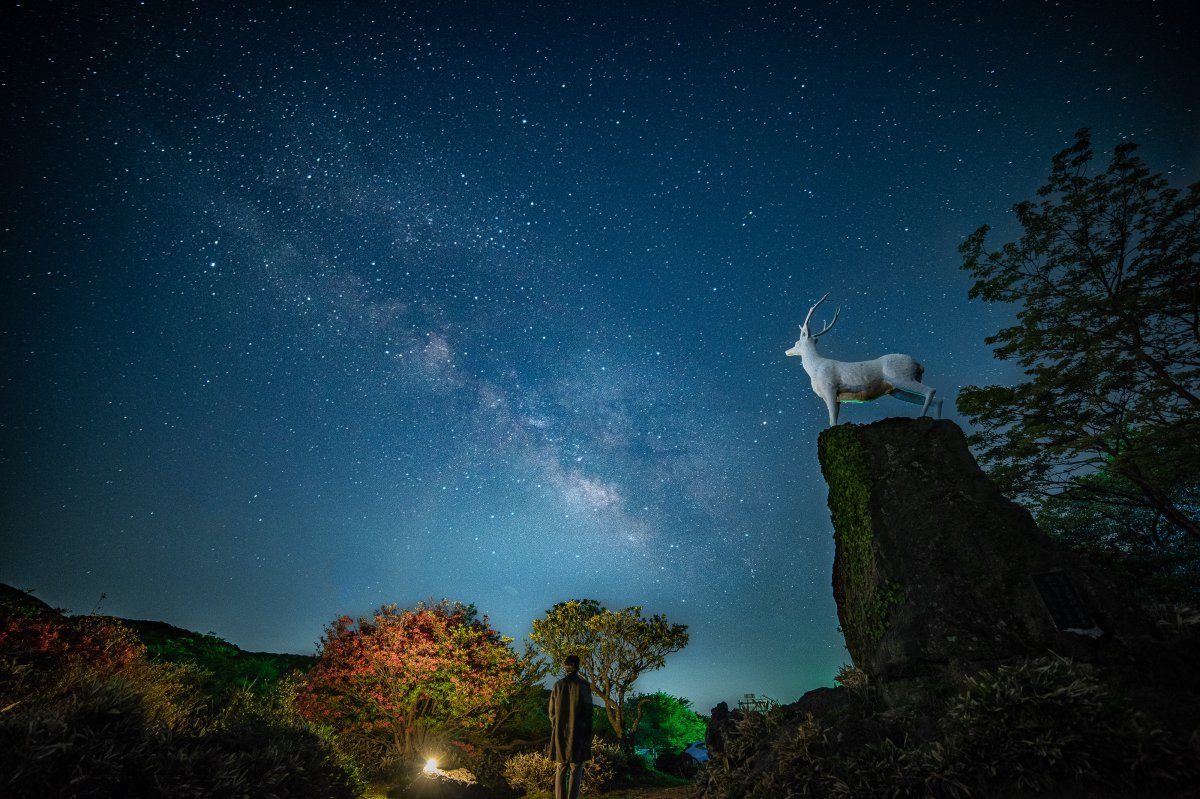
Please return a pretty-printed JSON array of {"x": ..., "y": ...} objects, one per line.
[{"x": 226, "y": 668}]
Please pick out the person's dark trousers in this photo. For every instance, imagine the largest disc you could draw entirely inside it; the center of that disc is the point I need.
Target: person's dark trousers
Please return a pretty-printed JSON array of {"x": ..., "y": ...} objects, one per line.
[{"x": 567, "y": 779}]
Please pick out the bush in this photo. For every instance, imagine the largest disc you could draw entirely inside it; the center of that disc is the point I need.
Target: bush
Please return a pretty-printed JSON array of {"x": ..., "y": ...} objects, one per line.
[
  {"x": 83, "y": 713},
  {"x": 486, "y": 763},
  {"x": 138, "y": 734},
  {"x": 226, "y": 668},
  {"x": 256, "y": 759},
  {"x": 1045, "y": 726},
  {"x": 98, "y": 740},
  {"x": 533, "y": 772},
  {"x": 530, "y": 772},
  {"x": 94, "y": 742},
  {"x": 44, "y": 653},
  {"x": 1051, "y": 721},
  {"x": 626, "y": 768}
]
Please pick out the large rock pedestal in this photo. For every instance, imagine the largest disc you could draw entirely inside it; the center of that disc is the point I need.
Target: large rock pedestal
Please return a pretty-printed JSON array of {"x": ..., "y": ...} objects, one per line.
[{"x": 935, "y": 569}]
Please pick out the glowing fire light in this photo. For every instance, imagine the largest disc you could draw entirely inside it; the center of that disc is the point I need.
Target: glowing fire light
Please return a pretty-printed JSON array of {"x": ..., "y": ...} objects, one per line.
[{"x": 430, "y": 766}]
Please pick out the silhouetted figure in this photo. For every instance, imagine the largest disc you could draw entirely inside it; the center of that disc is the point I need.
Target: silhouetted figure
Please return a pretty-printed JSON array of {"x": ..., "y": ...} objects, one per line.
[{"x": 570, "y": 729}]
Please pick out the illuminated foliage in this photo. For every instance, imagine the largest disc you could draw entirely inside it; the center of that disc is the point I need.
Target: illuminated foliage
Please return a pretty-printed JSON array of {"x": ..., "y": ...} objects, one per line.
[
  {"x": 1105, "y": 276},
  {"x": 614, "y": 649},
  {"x": 532, "y": 772},
  {"x": 105, "y": 738},
  {"x": 84, "y": 712},
  {"x": 668, "y": 723},
  {"x": 385, "y": 681}
]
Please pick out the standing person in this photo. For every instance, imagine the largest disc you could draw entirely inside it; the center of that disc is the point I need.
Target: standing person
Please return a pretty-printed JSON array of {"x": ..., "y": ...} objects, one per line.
[{"x": 570, "y": 729}]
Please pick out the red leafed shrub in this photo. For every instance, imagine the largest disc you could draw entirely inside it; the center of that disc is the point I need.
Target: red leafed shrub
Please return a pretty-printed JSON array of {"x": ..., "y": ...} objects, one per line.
[
  {"x": 43, "y": 650},
  {"x": 385, "y": 682},
  {"x": 101, "y": 642},
  {"x": 83, "y": 712}
]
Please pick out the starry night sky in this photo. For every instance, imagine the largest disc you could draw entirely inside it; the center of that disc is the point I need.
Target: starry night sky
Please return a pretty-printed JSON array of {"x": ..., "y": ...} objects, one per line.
[{"x": 312, "y": 307}]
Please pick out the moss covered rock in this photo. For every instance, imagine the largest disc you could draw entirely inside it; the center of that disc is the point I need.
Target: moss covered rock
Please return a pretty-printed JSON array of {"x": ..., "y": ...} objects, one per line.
[{"x": 936, "y": 570}]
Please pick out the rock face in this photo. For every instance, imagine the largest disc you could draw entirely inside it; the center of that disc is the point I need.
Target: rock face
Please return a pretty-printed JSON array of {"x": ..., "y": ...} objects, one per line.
[
  {"x": 935, "y": 569},
  {"x": 937, "y": 575}
]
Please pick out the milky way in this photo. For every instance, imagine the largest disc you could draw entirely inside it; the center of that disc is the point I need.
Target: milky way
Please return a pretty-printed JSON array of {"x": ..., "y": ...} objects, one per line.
[{"x": 311, "y": 308}]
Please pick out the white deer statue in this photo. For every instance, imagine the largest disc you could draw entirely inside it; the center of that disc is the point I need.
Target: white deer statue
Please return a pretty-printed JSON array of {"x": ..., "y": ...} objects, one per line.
[{"x": 860, "y": 381}]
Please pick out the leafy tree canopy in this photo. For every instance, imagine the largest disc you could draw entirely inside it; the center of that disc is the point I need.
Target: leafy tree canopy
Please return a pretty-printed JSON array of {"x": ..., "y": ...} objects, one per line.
[
  {"x": 1107, "y": 278},
  {"x": 669, "y": 723},
  {"x": 392, "y": 677},
  {"x": 614, "y": 649}
]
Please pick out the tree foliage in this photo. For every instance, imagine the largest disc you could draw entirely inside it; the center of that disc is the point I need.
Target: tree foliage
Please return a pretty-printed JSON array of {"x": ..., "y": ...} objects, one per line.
[
  {"x": 669, "y": 724},
  {"x": 1107, "y": 278},
  {"x": 390, "y": 678},
  {"x": 1158, "y": 560},
  {"x": 614, "y": 649}
]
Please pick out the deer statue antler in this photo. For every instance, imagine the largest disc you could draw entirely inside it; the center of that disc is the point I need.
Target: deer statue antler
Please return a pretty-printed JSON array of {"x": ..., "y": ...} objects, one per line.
[{"x": 828, "y": 326}]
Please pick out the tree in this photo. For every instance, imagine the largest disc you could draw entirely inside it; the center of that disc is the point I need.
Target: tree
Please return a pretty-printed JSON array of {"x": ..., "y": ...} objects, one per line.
[
  {"x": 1160, "y": 562},
  {"x": 382, "y": 681},
  {"x": 668, "y": 723},
  {"x": 1107, "y": 275},
  {"x": 614, "y": 649}
]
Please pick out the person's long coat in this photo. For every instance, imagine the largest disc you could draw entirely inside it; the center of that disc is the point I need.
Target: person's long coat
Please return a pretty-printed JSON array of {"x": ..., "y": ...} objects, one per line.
[{"x": 571, "y": 720}]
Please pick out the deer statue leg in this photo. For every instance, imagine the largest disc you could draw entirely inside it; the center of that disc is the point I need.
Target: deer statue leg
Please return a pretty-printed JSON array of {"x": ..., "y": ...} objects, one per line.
[
  {"x": 928, "y": 400},
  {"x": 831, "y": 402},
  {"x": 915, "y": 391}
]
